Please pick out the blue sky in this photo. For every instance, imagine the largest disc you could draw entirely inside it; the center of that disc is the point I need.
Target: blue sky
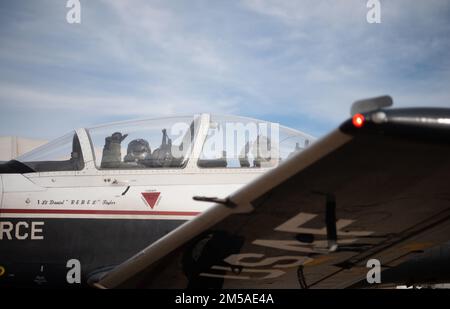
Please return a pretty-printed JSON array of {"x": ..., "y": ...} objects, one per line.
[{"x": 299, "y": 63}]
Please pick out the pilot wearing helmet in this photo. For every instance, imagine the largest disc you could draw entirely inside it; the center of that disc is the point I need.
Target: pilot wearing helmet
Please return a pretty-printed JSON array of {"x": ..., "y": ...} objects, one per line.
[
  {"x": 138, "y": 151},
  {"x": 264, "y": 152},
  {"x": 111, "y": 157}
]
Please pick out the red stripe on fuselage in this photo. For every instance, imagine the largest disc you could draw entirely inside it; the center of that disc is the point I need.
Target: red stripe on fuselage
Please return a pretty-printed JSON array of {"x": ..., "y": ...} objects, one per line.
[{"x": 99, "y": 212}]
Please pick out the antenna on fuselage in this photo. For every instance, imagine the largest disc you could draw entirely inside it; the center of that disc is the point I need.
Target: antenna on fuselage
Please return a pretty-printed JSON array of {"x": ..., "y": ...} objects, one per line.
[{"x": 371, "y": 104}]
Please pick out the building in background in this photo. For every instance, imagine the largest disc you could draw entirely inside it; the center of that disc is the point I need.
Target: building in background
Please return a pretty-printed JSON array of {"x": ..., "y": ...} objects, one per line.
[{"x": 13, "y": 146}]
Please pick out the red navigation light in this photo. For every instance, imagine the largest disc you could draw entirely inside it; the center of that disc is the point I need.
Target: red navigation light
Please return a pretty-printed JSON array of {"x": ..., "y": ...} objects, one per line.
[{"x": 358, "y": 120}]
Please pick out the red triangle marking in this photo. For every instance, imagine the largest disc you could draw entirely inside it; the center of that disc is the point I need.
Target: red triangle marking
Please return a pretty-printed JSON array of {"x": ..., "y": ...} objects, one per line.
[{"x": 151, "y": 198}]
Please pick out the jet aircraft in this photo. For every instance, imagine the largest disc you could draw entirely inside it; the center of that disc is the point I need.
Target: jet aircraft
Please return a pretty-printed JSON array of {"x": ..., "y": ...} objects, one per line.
[{"x": 232, "y": 202}]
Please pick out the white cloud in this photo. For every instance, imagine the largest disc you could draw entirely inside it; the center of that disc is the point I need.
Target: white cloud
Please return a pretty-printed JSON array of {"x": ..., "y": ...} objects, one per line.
[
  {"x": 162, "y": 102},
  {"x": 288, "y": 58}
]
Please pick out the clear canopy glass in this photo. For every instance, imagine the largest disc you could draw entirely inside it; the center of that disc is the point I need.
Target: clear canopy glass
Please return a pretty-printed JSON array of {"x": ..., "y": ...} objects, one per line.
[
  {"x": 61, "y": 154},
  {"x": 153, "y": 143},
  {"x": 240, "y": 142},
  {"x": 224, "y": 142}
]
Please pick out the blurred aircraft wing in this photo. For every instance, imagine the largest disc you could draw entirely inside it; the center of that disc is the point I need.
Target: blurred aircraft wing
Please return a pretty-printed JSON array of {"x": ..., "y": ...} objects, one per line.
[{"x": 375, "y": 188}]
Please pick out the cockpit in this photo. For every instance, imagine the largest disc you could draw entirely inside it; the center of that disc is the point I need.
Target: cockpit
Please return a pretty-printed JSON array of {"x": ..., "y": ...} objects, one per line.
[
  {"x": 203, "y": 142},
  {"x": 157, "y": 143}
]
